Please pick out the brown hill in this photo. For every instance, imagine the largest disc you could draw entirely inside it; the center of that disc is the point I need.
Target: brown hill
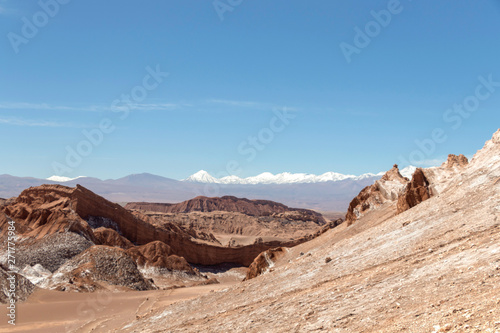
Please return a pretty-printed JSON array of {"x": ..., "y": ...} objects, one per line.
[
  {"x": 110, "y": 237},
  {"x": 228, "y": 204}
]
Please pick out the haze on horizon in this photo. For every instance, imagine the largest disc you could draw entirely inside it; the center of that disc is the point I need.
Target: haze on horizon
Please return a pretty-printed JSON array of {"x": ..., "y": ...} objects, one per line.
[{"x": 170, "y": 88}]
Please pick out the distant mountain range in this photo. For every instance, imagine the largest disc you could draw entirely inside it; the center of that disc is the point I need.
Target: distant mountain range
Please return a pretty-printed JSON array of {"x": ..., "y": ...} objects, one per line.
[
  {"x": 285, "y": 178},
  {"x": 327, "y": 192}
]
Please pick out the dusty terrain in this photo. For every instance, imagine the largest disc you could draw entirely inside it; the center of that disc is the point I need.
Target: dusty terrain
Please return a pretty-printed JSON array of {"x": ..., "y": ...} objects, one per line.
[{"x": 53, "y": 312}]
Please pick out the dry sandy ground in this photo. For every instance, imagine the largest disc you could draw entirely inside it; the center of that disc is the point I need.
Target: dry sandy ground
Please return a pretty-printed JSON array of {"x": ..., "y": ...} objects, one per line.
[{"x": 51, "y": 311}]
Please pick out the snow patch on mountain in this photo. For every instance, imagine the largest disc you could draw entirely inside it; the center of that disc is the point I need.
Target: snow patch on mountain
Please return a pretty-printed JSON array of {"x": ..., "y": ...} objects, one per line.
[
  {"x": 62, "y": 179},
  {"x": 408, "y": 171},
  {"x": 201, "y": 177}
]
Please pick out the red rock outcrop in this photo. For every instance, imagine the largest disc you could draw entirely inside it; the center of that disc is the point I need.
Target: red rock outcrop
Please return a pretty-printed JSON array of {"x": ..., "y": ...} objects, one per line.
[
  {"x": 159, "y": 255},
  {"x": 44, "y": 210},
  {"x": 385, "y": 189},
  {"x": 107, "y": 236},
  {"x": 415, "y": 192},
  {"x": 100, "y": 267},
  {"x": 456, "y": 161}
]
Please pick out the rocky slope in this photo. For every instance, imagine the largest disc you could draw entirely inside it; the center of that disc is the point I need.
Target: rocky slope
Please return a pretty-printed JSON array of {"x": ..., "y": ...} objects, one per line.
[
  {"x": 264, "y": 262},
  {"x": 393, "y": 187},
  {"x": 432, "y": 268}
]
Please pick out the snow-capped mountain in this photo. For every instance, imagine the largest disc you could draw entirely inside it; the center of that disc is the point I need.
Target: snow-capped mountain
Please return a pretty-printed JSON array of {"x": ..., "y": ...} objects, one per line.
[
  {"x": 408, "y": 171},
  {"x": 203, "y": 176},
  {"x": 63, "y": 179}
]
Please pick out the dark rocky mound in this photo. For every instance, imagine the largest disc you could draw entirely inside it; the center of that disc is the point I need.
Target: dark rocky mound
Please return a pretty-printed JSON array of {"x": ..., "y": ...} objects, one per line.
[
  {"x": 51, "y": 251},
  {"x": 100, "y": 267}
]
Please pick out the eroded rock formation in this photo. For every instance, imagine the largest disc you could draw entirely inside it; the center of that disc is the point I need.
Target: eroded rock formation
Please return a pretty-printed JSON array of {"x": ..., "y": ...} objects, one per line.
[
  {"x": 456, "y": 161},
  {"x": 264, "y": 262},
  {"x": 159, "y": 255},
  {"x": 50, "y": 209},
  {"x": 415, "y": 192},
  {"x": 388, "y": 188}
]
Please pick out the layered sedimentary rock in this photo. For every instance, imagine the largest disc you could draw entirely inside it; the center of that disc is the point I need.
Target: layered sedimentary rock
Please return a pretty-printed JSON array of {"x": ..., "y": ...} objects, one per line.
[
  {"x": 394, "y": 188},
  {"x": 432, "y": 268},
  {"x": 50, "y": 209}
]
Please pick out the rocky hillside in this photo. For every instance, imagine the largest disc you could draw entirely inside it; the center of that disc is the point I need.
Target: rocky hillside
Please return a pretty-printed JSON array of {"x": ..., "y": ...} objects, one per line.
[
  {"x": 393, "y": 187},
  {"x": 434, "y": 267}
]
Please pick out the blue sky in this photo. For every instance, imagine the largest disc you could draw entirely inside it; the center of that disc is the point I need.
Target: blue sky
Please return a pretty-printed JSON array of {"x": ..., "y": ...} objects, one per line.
[{"x": 229, "y": 78}]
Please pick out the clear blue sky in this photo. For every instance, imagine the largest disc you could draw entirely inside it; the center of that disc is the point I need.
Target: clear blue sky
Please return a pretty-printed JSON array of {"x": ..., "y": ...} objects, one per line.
[{"x": 227, "y": 78}]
